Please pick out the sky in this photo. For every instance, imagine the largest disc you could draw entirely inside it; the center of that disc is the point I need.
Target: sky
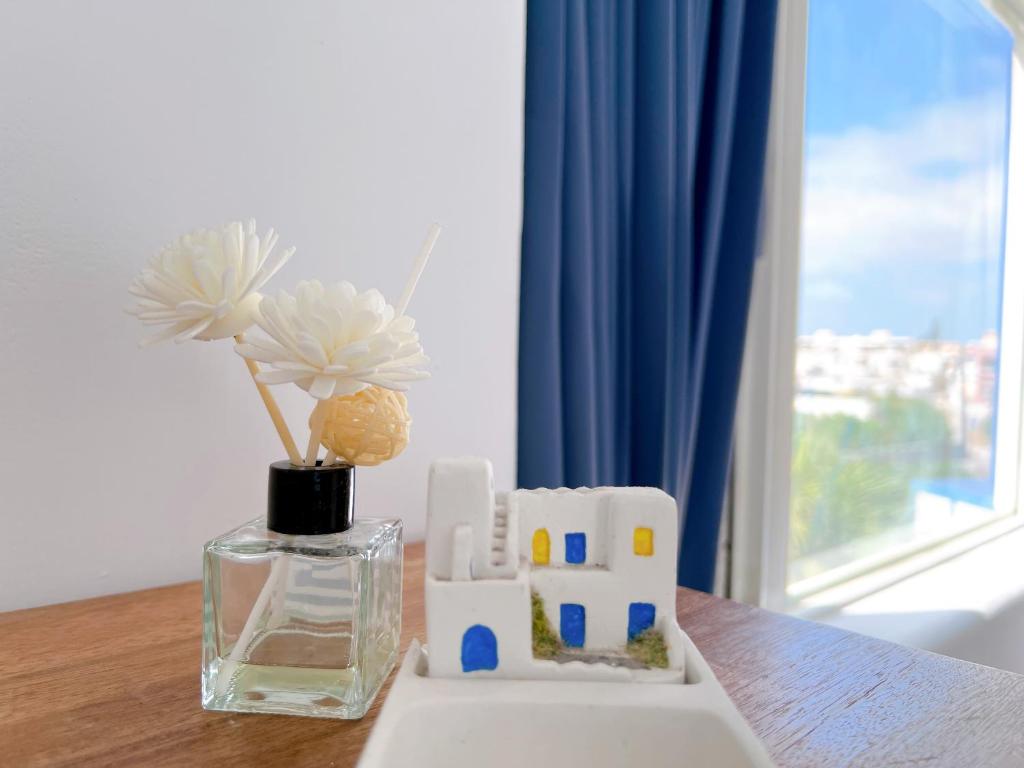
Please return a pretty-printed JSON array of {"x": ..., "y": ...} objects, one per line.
[{"x": 904, "y": 169}]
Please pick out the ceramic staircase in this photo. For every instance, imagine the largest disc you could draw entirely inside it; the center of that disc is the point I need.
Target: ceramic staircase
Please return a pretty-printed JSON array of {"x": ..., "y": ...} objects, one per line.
[{"x": 499, "y": 537}]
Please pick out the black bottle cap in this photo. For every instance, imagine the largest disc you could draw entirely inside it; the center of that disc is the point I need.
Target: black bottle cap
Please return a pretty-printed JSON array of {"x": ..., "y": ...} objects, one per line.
[{"x": 310, "y": 501}]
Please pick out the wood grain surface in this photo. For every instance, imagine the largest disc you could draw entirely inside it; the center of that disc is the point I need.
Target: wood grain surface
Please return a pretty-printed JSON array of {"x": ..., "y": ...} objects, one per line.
[{"x": 115, "y": 682}]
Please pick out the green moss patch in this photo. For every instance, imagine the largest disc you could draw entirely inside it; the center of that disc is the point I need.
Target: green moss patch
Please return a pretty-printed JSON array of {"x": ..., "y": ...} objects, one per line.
[
  {"x": 648, "y": 648},
  {"x": 546, "y": 644}
]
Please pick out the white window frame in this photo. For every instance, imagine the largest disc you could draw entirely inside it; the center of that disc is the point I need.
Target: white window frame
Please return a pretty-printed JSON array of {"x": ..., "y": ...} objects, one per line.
[{"x": 759, "y": 514}]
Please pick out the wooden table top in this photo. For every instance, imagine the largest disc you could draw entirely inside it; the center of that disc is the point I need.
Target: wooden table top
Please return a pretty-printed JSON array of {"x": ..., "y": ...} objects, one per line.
[{"x": 115, "y": 681}]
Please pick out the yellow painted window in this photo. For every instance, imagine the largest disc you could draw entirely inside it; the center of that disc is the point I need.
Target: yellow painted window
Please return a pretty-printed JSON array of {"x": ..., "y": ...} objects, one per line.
[
  {"x": 643, "y": 542},
  {"x": 541, "y": 547}
]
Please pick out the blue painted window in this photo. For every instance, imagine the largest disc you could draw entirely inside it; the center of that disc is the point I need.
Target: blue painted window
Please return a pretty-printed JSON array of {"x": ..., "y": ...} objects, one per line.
[
  {"x": 575, "y": 548},
  {"x": 573, "y": 625},
  {"x": 641, "y": 617},
  {"x": 479, "y": 649}
]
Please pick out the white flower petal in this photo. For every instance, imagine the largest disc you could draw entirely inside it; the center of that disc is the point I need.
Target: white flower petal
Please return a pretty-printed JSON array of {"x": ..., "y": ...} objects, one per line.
[
  {"x": 160, "y": 288},
  {"x": 227, "y": 284},
  {"x": 332, "y": 340},
  {"x": 193, "y": 330},
  {"x": 279, "y": 377},
  {"x": 194, "y": 308},
  {"x": 343, "y": 355},
  {"x": 323, "y": 387},
  {"x": 167, "y": 333},
  {"x": 269, "y": 241},
  {"x": 237, "y": 320},
  {"x": 364, "y": 324},
  {"x": 250, "y": 261},
  {"x": 311, "y": 349},
  {"x": 208, "y": 279},
  {"x": 232, "y": 239},
  {"x": 268, "y": 270},
  {"x": 204, "y": 284},
  {"x": 349, "y": 387},
  {"x": 385, "y": 382},
  {"x": 403, "y": 324},
  {"x": 262, "y": 353},
  {"x": 289, "y": 365}
]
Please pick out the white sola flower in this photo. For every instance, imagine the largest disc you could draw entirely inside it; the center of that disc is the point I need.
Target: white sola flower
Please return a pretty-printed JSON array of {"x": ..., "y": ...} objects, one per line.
[
  {"x": 335, "y": 341},
  {"x": 205, "y": 284}
]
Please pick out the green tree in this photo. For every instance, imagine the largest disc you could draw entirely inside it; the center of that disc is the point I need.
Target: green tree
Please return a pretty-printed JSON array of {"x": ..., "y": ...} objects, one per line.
[{"x": 851, "y": 478}]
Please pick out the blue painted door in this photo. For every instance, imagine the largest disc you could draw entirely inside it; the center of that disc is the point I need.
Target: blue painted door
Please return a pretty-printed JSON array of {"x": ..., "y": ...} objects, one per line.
[
  {"x": 479, "y": 649},
  {"x": 641, "y": 617},
  {"x": 576, "y": 548},
  {"x": 573, "y": 625}
]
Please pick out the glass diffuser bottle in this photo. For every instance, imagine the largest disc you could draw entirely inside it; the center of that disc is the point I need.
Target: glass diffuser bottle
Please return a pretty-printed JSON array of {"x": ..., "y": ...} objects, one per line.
[{"x": 302, "y": 608}]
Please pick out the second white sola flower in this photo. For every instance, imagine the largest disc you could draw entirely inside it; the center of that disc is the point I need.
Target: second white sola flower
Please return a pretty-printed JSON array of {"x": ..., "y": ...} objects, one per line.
[{"x": 334, "y": 340}]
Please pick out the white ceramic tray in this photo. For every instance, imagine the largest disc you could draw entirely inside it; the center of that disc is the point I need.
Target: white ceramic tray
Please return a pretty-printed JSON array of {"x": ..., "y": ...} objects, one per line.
[{"x": 451, "y": 723}]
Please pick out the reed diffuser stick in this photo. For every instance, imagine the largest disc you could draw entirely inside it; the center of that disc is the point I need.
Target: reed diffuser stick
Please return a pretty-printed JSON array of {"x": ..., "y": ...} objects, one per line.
[
  {"x": 316, "y": 429},
  {"x": 238, "y": 652},
  {"x": 275, "y": 413},
  {"x": 417, "y": 268}
]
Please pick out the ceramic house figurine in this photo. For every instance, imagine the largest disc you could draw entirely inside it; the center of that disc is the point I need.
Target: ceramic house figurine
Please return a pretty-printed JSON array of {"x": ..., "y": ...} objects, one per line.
[
  {"x": 552, "y": 638},
  {"x": 525, "y": 584}
]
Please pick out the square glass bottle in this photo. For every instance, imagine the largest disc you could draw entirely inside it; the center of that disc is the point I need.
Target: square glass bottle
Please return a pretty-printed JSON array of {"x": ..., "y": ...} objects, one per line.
[{"x": 302, "y": 609}]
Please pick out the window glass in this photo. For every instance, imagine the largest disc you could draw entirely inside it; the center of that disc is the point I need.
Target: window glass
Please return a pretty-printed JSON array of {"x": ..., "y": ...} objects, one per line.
[{"x": 906, "y": 143}]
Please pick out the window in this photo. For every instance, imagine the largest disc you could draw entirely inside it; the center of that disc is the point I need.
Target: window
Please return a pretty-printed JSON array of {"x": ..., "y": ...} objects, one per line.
[
  {"x": 894, "y": 290},
  {"x": 541, "y": 547},
  {"x": 643, "y": 542},
  {"x": 905, "y": 164},
  {"x": 576, "y": 548}
]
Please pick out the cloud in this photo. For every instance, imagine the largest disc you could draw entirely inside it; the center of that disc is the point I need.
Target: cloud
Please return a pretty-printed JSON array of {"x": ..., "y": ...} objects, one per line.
[
  {"x": 818, "y": 288},
  {"x": 928, "y": 188}
]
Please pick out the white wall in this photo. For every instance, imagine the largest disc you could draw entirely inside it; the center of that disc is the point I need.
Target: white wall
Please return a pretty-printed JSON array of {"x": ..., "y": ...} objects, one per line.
[{"x": 347, "y": 126}]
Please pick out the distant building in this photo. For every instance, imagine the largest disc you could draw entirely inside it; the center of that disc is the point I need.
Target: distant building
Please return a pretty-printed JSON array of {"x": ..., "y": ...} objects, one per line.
[{"x": 846, "y": 374}]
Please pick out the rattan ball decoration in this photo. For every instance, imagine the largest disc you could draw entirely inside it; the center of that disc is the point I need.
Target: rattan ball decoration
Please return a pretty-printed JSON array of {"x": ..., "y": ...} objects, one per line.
[{"x": 367, "y": 428}]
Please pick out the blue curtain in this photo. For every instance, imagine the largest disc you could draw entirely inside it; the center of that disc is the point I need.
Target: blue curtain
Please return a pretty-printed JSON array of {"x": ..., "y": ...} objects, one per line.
[{"x": 646, "y": 126}]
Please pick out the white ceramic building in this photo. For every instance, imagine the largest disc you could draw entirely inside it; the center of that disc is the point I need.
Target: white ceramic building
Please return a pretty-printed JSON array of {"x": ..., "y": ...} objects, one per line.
[{"x": 603, "y": 560}]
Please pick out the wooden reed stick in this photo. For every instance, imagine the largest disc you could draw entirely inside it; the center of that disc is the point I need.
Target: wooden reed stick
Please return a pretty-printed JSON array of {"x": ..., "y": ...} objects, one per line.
[
  {"x": 273, "y": 410},
  {"x": 316, "y": 429},
  {"x": 278, "y": 571},
  {"x": 417, "y": 269},
  {"x": 330, "y": 458}
]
